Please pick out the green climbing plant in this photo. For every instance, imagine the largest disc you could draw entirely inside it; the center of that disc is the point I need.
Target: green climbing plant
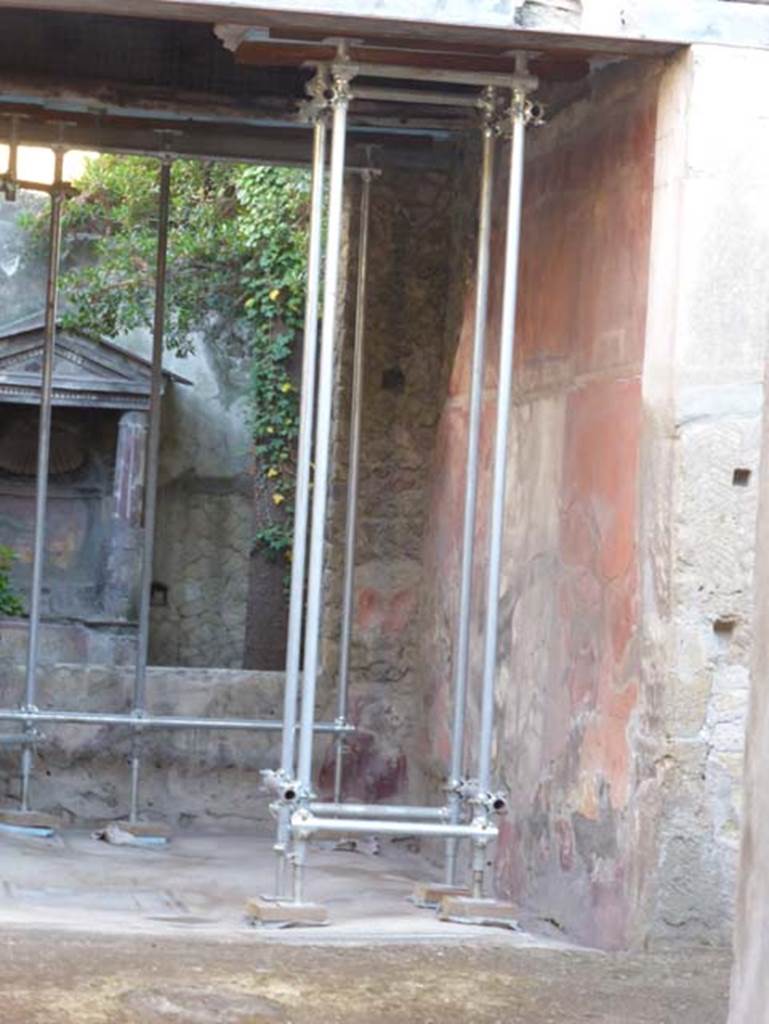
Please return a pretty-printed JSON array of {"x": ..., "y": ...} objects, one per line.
[
  {"x": 274, "y": 231},
  {"x": 236, "y": 272},
  {"x": 10, "y": 602}
]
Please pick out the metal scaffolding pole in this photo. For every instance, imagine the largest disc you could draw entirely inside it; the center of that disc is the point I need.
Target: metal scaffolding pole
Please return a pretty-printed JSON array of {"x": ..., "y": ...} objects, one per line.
[
  {"x": 449, "y": 76},
  {"x": 151, "y": 474},
  {"x": 386, "y": 812},
  {"x": 519, "y": 115},
  {"x": 341, "y": 75},
  {"x": 438, "y": 99},
  {"x": 353, "y": 473},
  {"x": 43, "y": 458},
  {"x": 303, "y": 469},
  {"x": 139, "y": 722},
  {"x": 462, "y": 641},
  {"x": 304, "y": 824}
]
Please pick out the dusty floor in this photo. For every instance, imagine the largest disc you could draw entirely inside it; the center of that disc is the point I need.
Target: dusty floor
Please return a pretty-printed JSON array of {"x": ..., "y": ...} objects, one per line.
[
  {"x": 95, "y": 934},
  {"x": 62, "y": 978}
]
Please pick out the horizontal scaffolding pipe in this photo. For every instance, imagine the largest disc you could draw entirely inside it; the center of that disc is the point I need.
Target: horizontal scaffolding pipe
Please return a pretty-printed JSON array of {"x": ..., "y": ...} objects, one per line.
[
  {"x": 303, "y": 825},
  {"x": 481, "y": 78},
  {"x": 388, "y": 811},
  {"x": 158, "y": 721},
  {"x": 17, "y": 739},
  {"x": 435, "y": 99}
]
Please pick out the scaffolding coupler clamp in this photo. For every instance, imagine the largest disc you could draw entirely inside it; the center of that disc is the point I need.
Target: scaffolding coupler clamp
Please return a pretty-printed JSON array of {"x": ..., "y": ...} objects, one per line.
[
  {"x": 486, "y": 803},
  {"x": 342, "y": 728},
  {"x": 317, "y": 90},
  {"x": 300, "y": 823},
  {"x": 532, "y": 111},
  {"x": 491, "y": 803},
  {"x": 457, "y": 787},
  {"x": 485, "y": 830},
  {"x": 286, "y": 790},
  {"x": 9, "y": 184},
  {"x": 490, "y": 110},
  {"x": 30, "y": 734}
]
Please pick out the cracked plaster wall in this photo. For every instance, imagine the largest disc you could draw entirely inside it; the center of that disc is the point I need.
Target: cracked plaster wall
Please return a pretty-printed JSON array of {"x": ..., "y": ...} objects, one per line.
[
  {"x": 626, "y": 619},
  {"x": 568, "y": 680}
]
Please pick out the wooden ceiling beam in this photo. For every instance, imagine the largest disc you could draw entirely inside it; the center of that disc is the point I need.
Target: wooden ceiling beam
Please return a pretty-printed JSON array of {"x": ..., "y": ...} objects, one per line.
[{"x": 271, "y": 53}]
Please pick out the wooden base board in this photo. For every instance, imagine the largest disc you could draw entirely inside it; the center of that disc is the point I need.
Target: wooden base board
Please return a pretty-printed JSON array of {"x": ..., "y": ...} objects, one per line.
[
  {"x": 484, "y": 911},
  {"x": 285, "y": 914},
  {"x": 430, "y": 894},
  {"x": 30, "y": 819}
]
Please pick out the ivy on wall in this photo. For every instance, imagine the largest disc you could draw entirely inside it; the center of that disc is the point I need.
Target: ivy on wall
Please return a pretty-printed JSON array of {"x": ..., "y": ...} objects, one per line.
[
  {"x": 10, "y": 603},
  {"x": 236, "y": 270}
]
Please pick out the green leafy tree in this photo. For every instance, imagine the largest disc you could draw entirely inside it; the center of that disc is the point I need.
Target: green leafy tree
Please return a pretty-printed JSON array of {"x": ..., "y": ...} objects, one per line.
[
  {"x": 10, "y": 603},
  {"x": 236, "y": 268}
]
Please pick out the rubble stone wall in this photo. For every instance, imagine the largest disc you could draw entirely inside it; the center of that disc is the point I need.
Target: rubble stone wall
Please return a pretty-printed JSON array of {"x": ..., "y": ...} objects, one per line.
[
  {"x": 410, "y": 319},
  {"x": 196, "y": 778}
]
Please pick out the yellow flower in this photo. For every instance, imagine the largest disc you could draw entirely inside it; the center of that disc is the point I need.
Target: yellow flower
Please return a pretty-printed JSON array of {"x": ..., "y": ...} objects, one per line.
[
  {"x": 286, "y": 387},
  {"x": 272, "y": 472},
  {"x": 275, "y": 294},
  {"x": 278, "y": 499}
]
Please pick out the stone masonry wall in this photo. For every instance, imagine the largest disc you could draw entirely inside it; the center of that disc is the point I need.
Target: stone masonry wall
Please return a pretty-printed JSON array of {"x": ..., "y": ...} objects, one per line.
[
  {"x": 750, "y": 980},
  {"x": 412, "y": 241},
  {"x": 201, "y": 779},
  {"x": 708, "y": 327}
]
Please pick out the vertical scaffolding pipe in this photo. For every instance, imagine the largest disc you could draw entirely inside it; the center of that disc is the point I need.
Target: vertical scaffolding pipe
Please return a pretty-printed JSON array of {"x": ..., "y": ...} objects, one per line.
[
  {"x": 151, "y": 473},
  {"x": 462, "y": 645},
  {"x": 340, "y": 103},
  {"x": 518, "y": 118},
  {"x": 353, "y": 474},
  {"x": 43, "y": 458},
  {"x": 303, "y": 468},
  {"x": 304, "y": 452}
]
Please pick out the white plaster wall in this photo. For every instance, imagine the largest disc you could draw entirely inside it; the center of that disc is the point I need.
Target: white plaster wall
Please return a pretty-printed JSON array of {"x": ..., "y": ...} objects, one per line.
[
  {"x": 749, "y": 1002},
  {"x": 210, "y": 443},
  {"x": 707, "y": 332},
  {"x": 205, "y": 522}
]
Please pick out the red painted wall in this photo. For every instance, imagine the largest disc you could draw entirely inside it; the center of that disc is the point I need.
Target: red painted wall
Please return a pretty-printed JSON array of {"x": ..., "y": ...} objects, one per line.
[{"x": 568, "y": 685}]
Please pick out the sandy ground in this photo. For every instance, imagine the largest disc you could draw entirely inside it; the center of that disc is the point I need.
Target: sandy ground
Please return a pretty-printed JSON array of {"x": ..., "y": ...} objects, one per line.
[
  {"x": 96, "y": 934},
  {"x": 70, "y": 979}
]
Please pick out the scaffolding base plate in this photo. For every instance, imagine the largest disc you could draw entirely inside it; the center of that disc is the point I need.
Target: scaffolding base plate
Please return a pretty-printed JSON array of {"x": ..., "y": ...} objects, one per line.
[
  {"x": 284, "y": 914},
  {"x": 30, "y": 823},
  {"x": 466, "y": 910},
  {"x": 430, "y": 894},
  {"x": 123, "y": 833}
]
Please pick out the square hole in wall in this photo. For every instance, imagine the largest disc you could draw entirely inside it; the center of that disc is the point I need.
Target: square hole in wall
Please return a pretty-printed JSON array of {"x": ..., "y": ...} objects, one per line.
[
  {"x": 741, "y": 477},
  {"x": 724, "y": 626}
]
